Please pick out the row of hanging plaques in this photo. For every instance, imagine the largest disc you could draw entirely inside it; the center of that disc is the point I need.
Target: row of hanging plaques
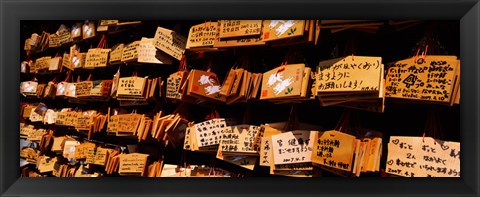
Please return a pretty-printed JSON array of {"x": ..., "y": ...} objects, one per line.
[
  {"x": 171, "y": 44},
  {"x": 300, "y": 153},
  {"x": 292, "y": 153},
  {"x": 353, "y": 81}
]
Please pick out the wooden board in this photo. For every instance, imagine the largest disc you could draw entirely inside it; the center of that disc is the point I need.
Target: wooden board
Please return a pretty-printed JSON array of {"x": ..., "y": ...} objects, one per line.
[
  {"x": 131, "y": 86},
  {"x": 430, "y": 79},
  {"x": 116, "y": 53},
  {"x": 242, "y": 137},
  {"x": 97, "y": 58},
  {"x": 293, "y": 147},
  {"x": 205, "y": 85},
  {"x": 170, "y": 42},
  {"x": 202, "y": 35},
  {"x": 147, "y": 53},
  {"x": 422, "y": 157},
  {"x": 334, "y": 149},
  {"x": 130, "y": 52},
  {"x": 351, "y": 73},
  {"x": 282, "y": 29},
  {"x": 238, "y": 28},
  {"x": 281, "y": 82}
]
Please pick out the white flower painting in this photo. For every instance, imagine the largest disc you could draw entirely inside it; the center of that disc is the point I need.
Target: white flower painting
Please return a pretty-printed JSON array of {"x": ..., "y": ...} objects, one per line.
[
  {"x": 274, "y": 79},
  {"x": 280, "y": 87},
  {"x": 285, "y": 25},
  {"x": 211, "y": 89}
]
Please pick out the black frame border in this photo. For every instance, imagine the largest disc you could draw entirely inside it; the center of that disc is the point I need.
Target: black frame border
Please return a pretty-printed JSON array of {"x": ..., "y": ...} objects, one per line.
[{"x": 13, "y": 11}]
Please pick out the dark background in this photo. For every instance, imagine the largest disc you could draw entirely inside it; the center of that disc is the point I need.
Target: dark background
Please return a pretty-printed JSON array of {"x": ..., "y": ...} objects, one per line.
[{"x": 399, "y": 119}]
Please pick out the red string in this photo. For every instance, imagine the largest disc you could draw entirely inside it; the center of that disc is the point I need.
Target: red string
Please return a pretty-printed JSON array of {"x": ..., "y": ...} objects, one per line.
[
  {"x": 338, "y": 126},
  {"x": 214, "y": 77},
  {"x": 183, "y": 64},
  {"x": 434, "y": 131},
  {"x": 102, "y": 42},
  {"x": 416, "y": 56},
  {"x": 282, "y": 67},
  {"x": 68, "y": 76},
  {"x": 425, "y": 55},
  {"x": 353, "y": 50}
]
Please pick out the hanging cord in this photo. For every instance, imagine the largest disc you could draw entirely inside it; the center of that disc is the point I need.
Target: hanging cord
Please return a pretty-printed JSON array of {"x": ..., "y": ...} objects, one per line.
[
  {"x": 429, "y": 43},
  {"x": 182, "y": 66},
  {"x": 67, "y": 76},
  {"x": 213, "y": 115},
  {"x": 54, "y": 80},
  {"x": 431, "y": 126},
  {"x": 339, "y": 123},
  {"x": 212, "y": 168},
  {"x": 238, "y": 62},
  {"x": 285, "y": 61},
  {"x": 102, "y": 44},
  {"x": 208, "y": 65},
  {"x": 343, "y": 123},
  {"x": 89, "y": 77}
]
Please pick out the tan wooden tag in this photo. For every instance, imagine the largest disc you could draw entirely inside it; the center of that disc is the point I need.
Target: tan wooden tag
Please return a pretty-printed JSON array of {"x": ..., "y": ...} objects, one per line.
[
  {"x": 430, "y": 79},
  {"x": 84, "y": 121},
  {"x": 170, "y": 42},
  {"x": 209, "y": 133},
  {"x": 205, "y": 85},
  {"x": 334, "y": 149},
  {"x": 293, "y": 147},
  {"x": 351, "y": 73},
  {"x": 69, "y": 149},
  {"x": 131, "y": 86},
  {"x": 242, "y": 137},
  {"x": 238, "y": 42},
  {"x": 101, "y": 155},
  {"x": 228, "y": 83},
  {"x": 78, "y": 60},
  {"x": 28, "y": 87},
  {"x": 43, "y": 63},
  {"x": 422, "y": 157},
  {"x": 96, "y": 57},
  {"x": 66, "y": 61},
  {"x": 55, "y": 64},
  {"x": 88, "y": 30},
  {"x": 147, "y": 53},
  {"x": 132, "y": 164},
  {"x": 83, "y": 88},
  {"x": 202, "y": 35},
  {"x": 238, "y": 28},
  {"x": 173, "y": 85},
  {"x": 130, "y": 52},
  {"x": 284, "y": 81},
  {"x": 70, "y": 90},
  {"x": 281, "y": 29},
  {"x": 116, "y": 53}
]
